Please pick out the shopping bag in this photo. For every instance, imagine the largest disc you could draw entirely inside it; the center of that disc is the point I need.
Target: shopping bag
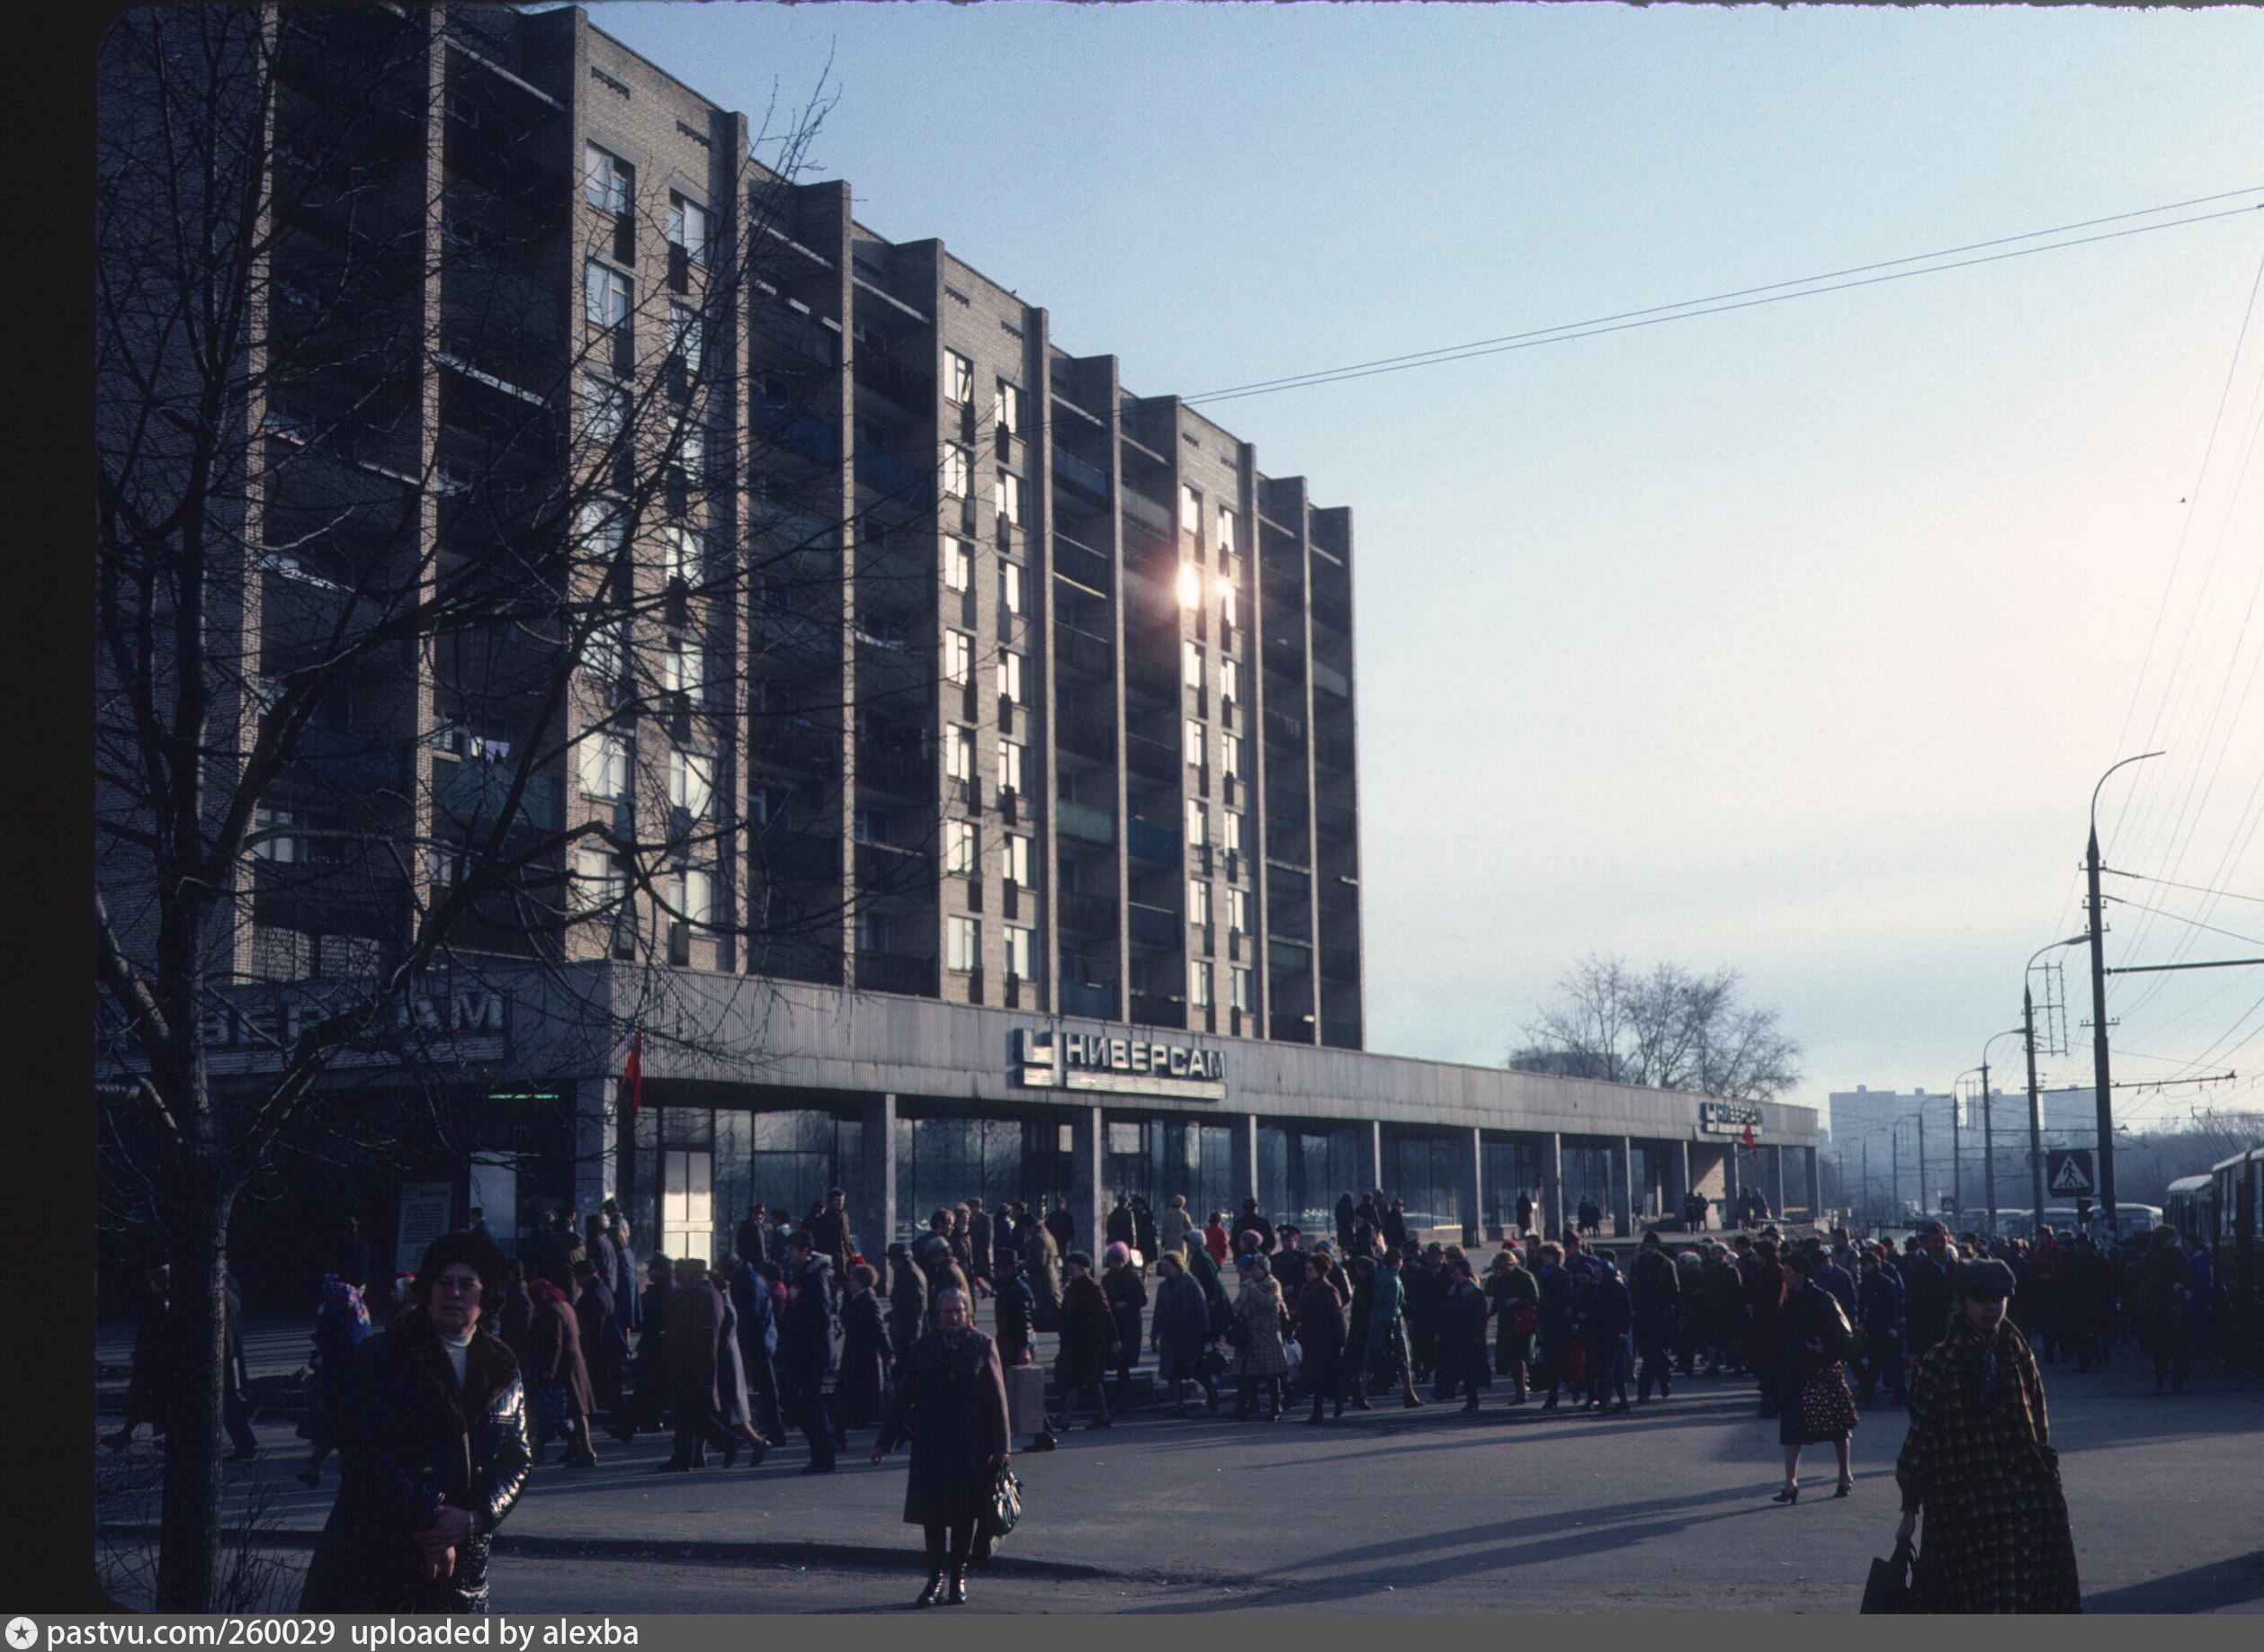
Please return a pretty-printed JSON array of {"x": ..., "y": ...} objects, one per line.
[{"x": 1888, "y": 1589}]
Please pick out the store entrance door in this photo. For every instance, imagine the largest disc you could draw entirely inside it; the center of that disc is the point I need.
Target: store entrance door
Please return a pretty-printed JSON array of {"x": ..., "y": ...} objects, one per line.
[{"x": 687, "y": 1202}]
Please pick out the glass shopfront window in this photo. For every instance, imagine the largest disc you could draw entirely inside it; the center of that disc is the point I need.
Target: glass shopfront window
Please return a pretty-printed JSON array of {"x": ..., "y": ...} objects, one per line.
[
  {"x": 1157, "y": 1159},
  {"x": 1301, "y": 1171},
  {"x": 940, "y": 1161},
  {"x": 1425, "y": 1171},
  {"x": 1508, "y": 1168}
]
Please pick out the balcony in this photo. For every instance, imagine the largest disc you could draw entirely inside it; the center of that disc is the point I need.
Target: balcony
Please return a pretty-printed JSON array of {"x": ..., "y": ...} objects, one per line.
[
  {"x": 883, "y": 868},
  {"x": 1087, "y": 914},
  {"x": 1088, "y": 567},
  {"x": 1149, "y": 842},
  {"x": 1340, "y": 1034},
  {"x": 1151, "y": 759},
  {"x": 1334, "y": 750},
  {"x": 901, "y": 771},
  {"x": 1329, "y": 680},
  {"x": 1155, "y": 925},
  {"x": 907, "y": 387},
  {"x": 1334, "y": 614},
  {"x": 1284, "y": 729},
  {"x": 896, "y": 972},
  {"x": 1086, "y": 736},
  {"x": 1148, "y": 512},
  {"x": 1155, "y": 1009},
  {"x": 1085, "y": 823},
  {"x": 1082, "y": 651},
  {"x": 892, "y": 479},
  {"x": 1154, "y": 679},
  {"x": 1096, "y": 999},
  {"x": 1088, "y": 481}
]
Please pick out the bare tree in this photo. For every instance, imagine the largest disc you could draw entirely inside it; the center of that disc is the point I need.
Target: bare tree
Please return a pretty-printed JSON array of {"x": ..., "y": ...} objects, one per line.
[
  {"x": 440, "y": 633},
  {"x": 1670, "y": 1029}
]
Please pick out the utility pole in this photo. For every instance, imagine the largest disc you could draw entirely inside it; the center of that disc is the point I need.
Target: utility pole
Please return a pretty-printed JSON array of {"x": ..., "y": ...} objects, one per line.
[
  {"x": 2036, "y": 1110},
  {"x": 2101, "y": 1084},
  {"x": 2102, "y": 1087},
  {"x": 1925, "y": 1200},
  {"x": 1988, "y": 1155},
  {"x": 1957, "y": 1167},
  {"x": 1866, "y": 1175},
  {"x": 1894, "y": 1155}
]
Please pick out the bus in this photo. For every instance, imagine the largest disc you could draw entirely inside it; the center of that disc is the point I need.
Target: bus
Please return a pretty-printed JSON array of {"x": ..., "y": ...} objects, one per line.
[{"x": 2234, "y": 1235}]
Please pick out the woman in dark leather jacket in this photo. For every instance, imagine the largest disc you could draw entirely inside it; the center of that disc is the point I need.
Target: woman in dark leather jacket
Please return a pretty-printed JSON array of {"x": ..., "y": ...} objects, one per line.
[{"x": 433, "y": 1449}]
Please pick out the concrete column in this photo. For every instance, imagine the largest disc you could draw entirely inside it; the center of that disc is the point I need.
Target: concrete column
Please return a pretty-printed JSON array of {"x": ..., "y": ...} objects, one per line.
[
  {"x": 1733, "y": 1182},
  {"x": 1679, "y": 1173},
  {"x": 1624, "y": 1190},
  {"x": 1776, "y": 1178},
  {"x": 1552, "y": 1186},
  {"x": 1473, "y": 1188},
  {"x": 597, "y": 1142},
  {"x": 1367, "y": 1158},
  {"x": 873, "y": 1195},
  {"x": 1085, "y": 1190},
  {"x": 1245, "y": 1161},
  {"x": 1815, "y": 1186}
]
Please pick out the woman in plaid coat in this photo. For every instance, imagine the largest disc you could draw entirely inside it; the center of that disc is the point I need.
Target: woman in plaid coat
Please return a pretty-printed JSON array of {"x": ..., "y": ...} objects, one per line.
[
  {"x": 1978, "y": 1459},
  {"x": 1259, "y": 1318}
]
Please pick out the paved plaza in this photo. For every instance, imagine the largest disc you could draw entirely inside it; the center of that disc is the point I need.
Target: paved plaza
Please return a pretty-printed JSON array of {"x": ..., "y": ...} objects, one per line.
[{"x": 1665, "y": 1508}]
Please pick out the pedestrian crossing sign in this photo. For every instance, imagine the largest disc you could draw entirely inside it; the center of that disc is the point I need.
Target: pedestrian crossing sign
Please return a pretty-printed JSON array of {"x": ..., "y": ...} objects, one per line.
[{"x": 2068, "y": 1170}]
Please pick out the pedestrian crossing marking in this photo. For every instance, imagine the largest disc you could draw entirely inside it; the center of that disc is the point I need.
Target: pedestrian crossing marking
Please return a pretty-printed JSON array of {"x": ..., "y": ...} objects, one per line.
[{"x": 2073, "y": 1176}]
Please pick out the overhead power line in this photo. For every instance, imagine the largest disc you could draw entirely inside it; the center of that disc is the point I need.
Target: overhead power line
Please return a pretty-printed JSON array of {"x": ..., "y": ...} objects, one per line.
[{"x": 1746, "y": 298}]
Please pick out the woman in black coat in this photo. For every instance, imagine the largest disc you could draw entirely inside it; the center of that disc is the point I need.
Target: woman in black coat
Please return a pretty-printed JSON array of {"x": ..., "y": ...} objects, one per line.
[
  {"x": 1813, "y": 1400},
  {"x": 432, "y": 1449},
  {"x": 1127, "y": 1294},
  {"x": 1319, "y": 1329},
  {"x": 860, "y": 1382},
  {"x": 951, "y": 1398},
  {"x": 1088, "y": 1343},
  {"x": 1462, "y": 1314}
]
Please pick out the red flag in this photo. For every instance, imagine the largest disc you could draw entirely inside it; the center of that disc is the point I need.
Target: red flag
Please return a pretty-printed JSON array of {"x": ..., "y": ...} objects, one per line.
[
  {"x": 632, "y": 1077},
  {"x": 1748, "y": 1135}
]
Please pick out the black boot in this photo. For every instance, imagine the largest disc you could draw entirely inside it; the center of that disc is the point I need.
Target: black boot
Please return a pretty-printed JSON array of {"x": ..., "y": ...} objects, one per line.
[
  {"x": 934, "y": 1593},
  {"x": 958, "y": 1596}
]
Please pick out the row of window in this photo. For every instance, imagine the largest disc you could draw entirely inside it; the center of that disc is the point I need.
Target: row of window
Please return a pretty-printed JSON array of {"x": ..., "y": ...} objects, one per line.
[
  {"x": 963, "y": 947},
  {"x": 602, "y": 764},
  {"x": 959, "y": 575},
  {"x": 609, "y": 296},
  {"x": 1230, "y": 752},
  {"x": 1238, "y": 907},
  {"x": 959, "y": 665},
  {"x": 1199, "y": 826},
  {"x": 599, "y": 880},
  {"x": 958, "y": 758},
  {"x": 959, "y": 389},
  {"x": 962, "y": 853},
  {"x": 603, "y": 526},
  {"x": 1242, "y": 987},
  {"x": 609, "y": 183}
]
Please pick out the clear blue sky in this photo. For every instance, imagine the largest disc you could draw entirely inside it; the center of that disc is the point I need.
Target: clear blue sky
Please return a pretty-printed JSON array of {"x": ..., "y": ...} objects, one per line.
[{"x": 1792, "y": 639}]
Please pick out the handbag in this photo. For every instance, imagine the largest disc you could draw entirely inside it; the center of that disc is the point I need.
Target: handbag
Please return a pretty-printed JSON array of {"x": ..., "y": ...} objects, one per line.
[
  {"x": 1000, "y": 1515},
  {"x": 1888, "y": 1589},
  {"x": 1525, "y": 1321},
  {"x": 1827, "y": 1410},
  {"x": 551, "y": 1408}
]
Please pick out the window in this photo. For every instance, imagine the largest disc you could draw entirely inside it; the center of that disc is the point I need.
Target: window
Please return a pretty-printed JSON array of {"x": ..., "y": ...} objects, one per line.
[
  {"x": 282, "y": 850},
  {"x": 1199, "y": 985},
  {"x": 1229, "y": 611},
  {"x": 608, "y": 182},
  {"x": 604, "y": 295},
  {"x": 1238, "y": 911},
  {"x": 1198, "y": 903},
  {"x": 1231, "y": 759},
  {"x": 1010, "y": 579},
  {"x": 688, "y": 227},
  {"x": 601, "y": 529},
  {"x": 692, "y": 783},
  {"x": 959, "y": 652},
  {"x": 1017, "y": 859},
  {"x": 1198, "y": 823},
  {"x": 1190, "y": 510},
  {"x": 604, "y": 411},
  {"x": 1191, "y": 663},
  {"x": 1018, "y": 952},
  {"x": 1006, "y": 498},
  {"x": 597, "y": 882},
  {"x": 1007, "y": 409},
  {"x": 873, "y": 932},
  {"x": 962, "y": 944},
  {"x": 685, "y": 333},
  {"x": 960, "y": 854},
  {"x": 695, "y": 897},
  {"x": 1191, "y": 741},
  {"x": 680, "y": 553},
  {"x": 1227, "y": 543},
  {"x": 605, "y": 765},
  {"x": 683, "y": 671},
  {"x": 959, "y": 565},
  {"x": 958, "y": 378},
  {"x": 691, "y": 449},
  {"x": 605, "y": 650},
  {"x": 959, "y": 752},
  {"x": 1230, "y": 680},
  {"x": 1238, "y": 983},
  {"x": 1010, "y": 675},
  {"x": 1190, "y": 586},
  {"x": 1232, "y": 842},
  {"x": 1010, "y": 765},
  {"x": 959, "y": 471},
  {"x": 871, "y": 826}
]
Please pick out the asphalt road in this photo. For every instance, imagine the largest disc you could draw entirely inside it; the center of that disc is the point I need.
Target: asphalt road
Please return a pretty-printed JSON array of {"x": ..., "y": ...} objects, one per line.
[{"x": 1663, "y": 1509}]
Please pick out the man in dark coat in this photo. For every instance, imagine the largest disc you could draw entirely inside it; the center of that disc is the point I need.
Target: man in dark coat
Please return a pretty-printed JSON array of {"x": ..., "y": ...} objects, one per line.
[
  {"x": 705, "y": 1388},
  {"x": 433, "y": 1451},
  {"x": 1088, "y": 1343},
  {"x": 805, "y": 1348},
  {"x": 1346, "y": 1210},
  {"x": 1878, "y": 1320},
  {"x": 831, "y": 1238},
  {"x": 1118, "y": 1227},
  {"x": 1062, "y": 1224},
  {"x": 1180, "y": 1330},
  {"x": 1143, "y": 1228},
  {"x": 1251, "y": 1221},
  {"x": 1460, "y": 1348},
  {"x": 1320, "y": 1328},
  {"x": 752, "y": 1242},
  {"x": 2165, "y": 1285},
  {"x": 754, "y": 1302},
  {"x": 980, "y": 1246},
  {"x": 908, "y": 1301},
  {"x": 1656, "y": 1289},
  {"x": 1015, "y": 1306},
  {"x": 1288, "y": 1263},
  {"x": 951, "y": 1398},
  {"x": 1926, "y": 1293},
  {"x": 1524, "y": 1212},
  {"x": 544, "y": 1255},
  {"x": 1393, "y": 1227},
  {"x": 2087, "y": 1301},
  {"x": 150, "y": 1384}
]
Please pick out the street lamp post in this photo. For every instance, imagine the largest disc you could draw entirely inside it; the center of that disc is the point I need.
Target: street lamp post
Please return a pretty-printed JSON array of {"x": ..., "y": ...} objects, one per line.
[
  {"x": 1988, "y": 1132},
  {"x": 2100, "y": 1083}
]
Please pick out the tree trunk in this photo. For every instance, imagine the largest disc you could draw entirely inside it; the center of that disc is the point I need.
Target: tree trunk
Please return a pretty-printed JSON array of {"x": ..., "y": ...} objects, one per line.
[{"x": 188, "y": 1511}]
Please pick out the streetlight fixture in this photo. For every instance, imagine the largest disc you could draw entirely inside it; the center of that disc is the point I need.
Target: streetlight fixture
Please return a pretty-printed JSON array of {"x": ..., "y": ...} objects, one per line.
[
  {"x": 2100, "y": 1082},
  {"x": 1989, "y": 1132}
]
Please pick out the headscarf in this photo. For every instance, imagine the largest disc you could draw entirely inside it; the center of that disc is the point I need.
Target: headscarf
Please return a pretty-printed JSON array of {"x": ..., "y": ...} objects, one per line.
[{"x": 343, "y": 1298}]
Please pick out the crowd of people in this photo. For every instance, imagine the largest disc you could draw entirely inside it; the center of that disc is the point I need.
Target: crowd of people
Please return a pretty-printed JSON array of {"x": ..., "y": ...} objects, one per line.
[{"x": 795, "y": 1330}]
